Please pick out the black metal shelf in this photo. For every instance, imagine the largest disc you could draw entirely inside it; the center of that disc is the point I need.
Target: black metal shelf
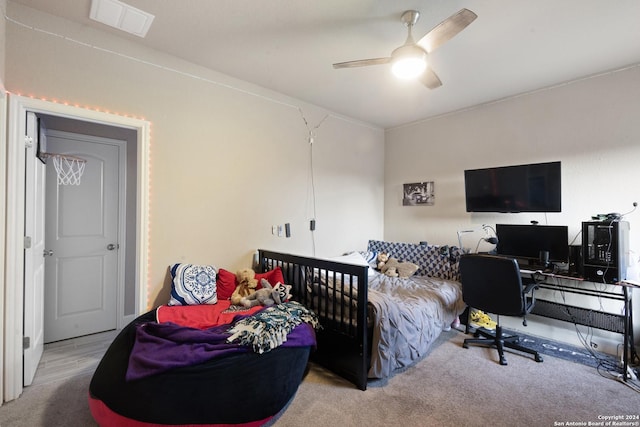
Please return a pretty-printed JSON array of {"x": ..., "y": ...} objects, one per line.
[
  {"x": 612, "y": 322},
  {"x": 580, "y": 315}
]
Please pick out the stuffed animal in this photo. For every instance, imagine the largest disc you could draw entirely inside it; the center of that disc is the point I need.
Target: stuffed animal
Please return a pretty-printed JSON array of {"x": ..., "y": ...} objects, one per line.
[
  {"x": 247, "y": 284},
  {"x": 391, "y": 272},
  {"x": 267, "y": 295},
  {"x": 403, "y": 269},
  {"x": 382, "y": 258},
  {"x": 281, "y": 293}
]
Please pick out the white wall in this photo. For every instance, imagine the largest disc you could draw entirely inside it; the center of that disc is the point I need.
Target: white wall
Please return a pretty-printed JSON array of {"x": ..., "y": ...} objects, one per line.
[
  {"x": 228, "y": 159},
  {"x": 590, "y": 125}
]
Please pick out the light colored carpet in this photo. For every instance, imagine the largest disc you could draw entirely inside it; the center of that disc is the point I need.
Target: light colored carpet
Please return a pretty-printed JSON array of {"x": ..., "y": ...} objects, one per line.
[
  {"x": 54, "y": 404},
  {"x": 461, "y": 387},
  {"x": 451, "y": 387}
]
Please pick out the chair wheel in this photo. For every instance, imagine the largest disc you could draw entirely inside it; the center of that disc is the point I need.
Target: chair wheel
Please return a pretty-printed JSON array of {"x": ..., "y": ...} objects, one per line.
[
  {"x": 538, "y": 358},
  {"x": 503, "y": 361},
  {"x": 465, "y": 345}
]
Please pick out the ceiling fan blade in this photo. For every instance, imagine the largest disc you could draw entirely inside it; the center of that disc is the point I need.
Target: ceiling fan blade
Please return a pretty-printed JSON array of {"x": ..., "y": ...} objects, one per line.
[
  {"x": 430, "y": 79},
  {"x": 362, "y": 63},
  {"x": 447, "y": 29}
]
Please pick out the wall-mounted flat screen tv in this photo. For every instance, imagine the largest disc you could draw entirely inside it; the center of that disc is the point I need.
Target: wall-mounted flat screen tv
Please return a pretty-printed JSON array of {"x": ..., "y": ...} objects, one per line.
[{"x": 522, "y": 188}]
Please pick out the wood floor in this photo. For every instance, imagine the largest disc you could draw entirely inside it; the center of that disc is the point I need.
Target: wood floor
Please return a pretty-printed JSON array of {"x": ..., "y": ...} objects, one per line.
[{"x": 68, "y": 358}]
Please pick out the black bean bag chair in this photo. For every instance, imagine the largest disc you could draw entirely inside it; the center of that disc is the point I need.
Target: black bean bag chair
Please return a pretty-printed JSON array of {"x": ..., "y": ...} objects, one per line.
[{"x": 244, "y": 389}]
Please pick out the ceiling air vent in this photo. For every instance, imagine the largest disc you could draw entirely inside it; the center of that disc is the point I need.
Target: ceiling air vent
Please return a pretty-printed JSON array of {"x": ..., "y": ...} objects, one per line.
[{"x": 121, "y": 16}]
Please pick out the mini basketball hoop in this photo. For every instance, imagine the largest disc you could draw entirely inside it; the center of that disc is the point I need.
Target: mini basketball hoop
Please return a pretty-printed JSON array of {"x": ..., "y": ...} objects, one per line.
[{"x": 68, "y": 168}]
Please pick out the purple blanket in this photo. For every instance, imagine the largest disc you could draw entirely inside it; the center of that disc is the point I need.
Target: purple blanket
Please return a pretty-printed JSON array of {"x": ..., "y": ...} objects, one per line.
[{"x": 160, "y": 347}]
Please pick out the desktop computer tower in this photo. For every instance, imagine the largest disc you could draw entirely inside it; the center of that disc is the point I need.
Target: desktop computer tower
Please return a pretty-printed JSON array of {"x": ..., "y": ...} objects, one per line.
[{"x": 605, "y": 248}]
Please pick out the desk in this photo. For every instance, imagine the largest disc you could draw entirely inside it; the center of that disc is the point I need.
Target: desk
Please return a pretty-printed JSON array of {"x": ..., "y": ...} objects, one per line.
[{"x": 619, "y": 323}]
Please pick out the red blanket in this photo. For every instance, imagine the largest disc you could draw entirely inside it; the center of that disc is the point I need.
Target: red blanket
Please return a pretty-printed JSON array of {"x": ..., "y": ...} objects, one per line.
[{"x": 202, "y": 316}]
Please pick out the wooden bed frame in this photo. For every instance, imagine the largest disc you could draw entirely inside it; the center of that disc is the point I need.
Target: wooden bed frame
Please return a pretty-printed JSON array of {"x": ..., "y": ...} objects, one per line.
[{"x": 344, "y": 340}]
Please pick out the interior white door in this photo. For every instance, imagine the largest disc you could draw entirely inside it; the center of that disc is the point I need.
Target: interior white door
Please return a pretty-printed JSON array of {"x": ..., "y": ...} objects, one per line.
[
  {"x": 82, "y": 234},
  {"x": 34, "y": 261}
]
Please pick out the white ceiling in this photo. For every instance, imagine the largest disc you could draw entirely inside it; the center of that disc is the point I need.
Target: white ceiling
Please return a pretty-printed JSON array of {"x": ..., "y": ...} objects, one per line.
[{"x": 513, "y": 47}]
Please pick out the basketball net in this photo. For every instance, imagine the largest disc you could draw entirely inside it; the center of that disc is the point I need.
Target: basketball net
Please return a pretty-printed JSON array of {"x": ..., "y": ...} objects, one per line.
[{"x": 69, "y": 169}]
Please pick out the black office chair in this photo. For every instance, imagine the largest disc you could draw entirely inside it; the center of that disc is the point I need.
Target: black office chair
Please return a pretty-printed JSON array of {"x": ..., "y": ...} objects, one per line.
[{"x": 493, "y": 284}]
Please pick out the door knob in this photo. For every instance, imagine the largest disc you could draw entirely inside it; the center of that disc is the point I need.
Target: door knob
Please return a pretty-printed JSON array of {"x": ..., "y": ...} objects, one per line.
[
  {"x": 112, "y": 246},
  {"x": 47, "y": 252}
]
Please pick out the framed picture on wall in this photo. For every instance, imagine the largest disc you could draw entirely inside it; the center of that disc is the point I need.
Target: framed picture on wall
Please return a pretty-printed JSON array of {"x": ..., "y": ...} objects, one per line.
[{"x": 419, "y": 194}]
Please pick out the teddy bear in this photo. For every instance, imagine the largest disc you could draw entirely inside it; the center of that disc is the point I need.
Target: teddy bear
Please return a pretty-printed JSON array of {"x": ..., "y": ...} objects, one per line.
[
  {"x": 267, "y": 295},
  {"x": 391, "y": 272},
  {"x": 402, "y": 269},
  {"x": 382, "y": 258},
  {"x": 247, "y": 284}
]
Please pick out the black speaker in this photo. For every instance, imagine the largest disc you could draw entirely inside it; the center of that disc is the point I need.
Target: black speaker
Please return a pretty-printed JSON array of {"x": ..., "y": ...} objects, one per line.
[
  {"x": 543, "y": 258},
  {"x": 575, "y": 261},
  {"x": 605, "y": 248}
]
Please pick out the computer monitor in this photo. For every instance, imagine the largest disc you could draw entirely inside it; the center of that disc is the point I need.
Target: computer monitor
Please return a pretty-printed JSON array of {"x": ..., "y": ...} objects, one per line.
[{"x": 527, "y": 241}]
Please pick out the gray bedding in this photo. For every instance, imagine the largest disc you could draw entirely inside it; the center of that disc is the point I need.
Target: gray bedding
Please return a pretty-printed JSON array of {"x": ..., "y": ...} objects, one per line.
[{"x": 409, "y": 315}]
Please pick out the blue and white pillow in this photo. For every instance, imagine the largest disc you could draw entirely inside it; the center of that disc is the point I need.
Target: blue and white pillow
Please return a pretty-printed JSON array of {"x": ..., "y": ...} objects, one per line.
[
  {"x": 371, "y": 257},
  {"x": 193, "y": 284}
]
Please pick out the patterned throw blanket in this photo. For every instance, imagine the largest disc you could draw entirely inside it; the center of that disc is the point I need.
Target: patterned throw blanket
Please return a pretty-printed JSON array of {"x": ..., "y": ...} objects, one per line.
[{"x": 269, "y": 328}]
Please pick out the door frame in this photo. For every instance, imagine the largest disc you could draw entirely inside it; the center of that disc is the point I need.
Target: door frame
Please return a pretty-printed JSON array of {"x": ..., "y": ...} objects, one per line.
[
  {"x": 15, "y": 193},
  {"x": 3, "y": 161}
]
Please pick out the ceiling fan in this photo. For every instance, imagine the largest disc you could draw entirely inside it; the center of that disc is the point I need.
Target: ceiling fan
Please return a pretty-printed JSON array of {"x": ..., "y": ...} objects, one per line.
[{"x": 410, "y": 59}]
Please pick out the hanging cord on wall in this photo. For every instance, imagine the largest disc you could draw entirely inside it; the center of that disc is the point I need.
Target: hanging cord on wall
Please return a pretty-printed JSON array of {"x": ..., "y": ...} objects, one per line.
[{"x": 310, "y": 139}]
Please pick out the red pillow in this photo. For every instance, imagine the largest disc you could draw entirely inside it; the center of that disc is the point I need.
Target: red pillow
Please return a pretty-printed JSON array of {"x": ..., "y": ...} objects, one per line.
[
  {"x": 274, "y": 276},
  {"x": 226, "y": 281}
]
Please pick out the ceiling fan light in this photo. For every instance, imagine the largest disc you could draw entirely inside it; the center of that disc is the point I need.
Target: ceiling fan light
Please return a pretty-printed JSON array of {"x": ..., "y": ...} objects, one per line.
[
  {"x": 408, "y": 61},
  {"x": 409, "y": 67}
]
